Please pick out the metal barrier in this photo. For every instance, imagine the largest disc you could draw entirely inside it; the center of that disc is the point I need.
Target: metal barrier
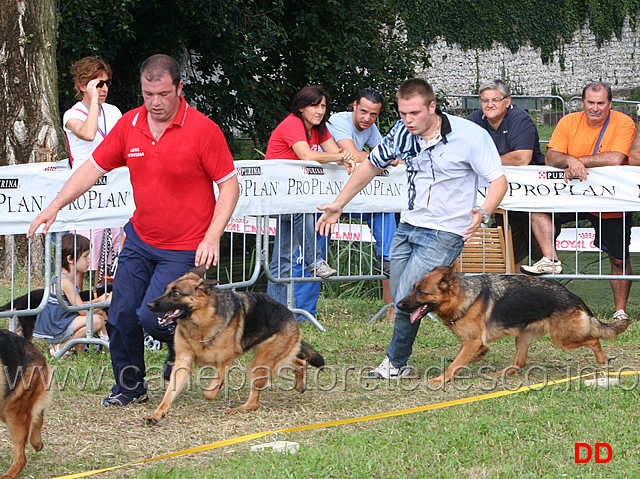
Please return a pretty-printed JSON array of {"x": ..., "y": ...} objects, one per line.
[
  {"x": 628, "y": 107},
  {"x": 15, "y": 269},
  {"x": 357, "y": 266}
]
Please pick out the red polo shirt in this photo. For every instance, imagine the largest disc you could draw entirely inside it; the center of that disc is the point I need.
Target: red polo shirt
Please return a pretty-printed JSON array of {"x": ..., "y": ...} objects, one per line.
[
  {"x": 289, "y": 132},
  {"x": 172, "y": 178}
]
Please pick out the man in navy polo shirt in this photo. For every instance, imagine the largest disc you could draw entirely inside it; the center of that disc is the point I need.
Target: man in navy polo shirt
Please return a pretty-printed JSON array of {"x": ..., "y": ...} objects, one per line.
[
  {"x": 516, "y": 137},
  {"x": 174, "y": 154}
]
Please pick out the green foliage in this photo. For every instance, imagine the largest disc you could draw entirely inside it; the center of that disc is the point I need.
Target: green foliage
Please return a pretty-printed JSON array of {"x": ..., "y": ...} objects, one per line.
[
  {"x": 547, "y": 24},
  {"x": 247, "y": 58}
]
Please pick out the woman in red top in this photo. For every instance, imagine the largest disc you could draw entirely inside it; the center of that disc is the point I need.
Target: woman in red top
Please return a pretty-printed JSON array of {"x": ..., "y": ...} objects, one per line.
[{"x": 302, "y": 135}]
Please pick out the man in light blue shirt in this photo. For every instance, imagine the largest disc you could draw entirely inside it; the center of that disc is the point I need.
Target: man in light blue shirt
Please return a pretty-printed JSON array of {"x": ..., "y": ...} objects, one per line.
[
  {"x": 352, "y": 131},
  {"x": 445, "y": 158}
]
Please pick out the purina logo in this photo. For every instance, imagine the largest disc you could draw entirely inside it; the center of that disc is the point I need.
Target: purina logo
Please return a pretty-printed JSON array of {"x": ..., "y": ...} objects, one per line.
[
  {"x": 312, "y": 170},
  {"x": 102, "y": 181},
  {"x": 551, "y": 175},
  {"x": 384, "y": 173},
  {"x": 9, "y": 183},
  {"x": 250, "y": 171}
]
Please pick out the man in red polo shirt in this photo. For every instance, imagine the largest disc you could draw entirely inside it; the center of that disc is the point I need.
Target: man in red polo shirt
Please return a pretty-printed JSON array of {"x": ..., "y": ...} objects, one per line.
[{"x": 174, "y": 154}]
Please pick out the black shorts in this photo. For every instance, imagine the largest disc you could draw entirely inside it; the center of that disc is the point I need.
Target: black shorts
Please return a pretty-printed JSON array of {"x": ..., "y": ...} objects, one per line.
[{"x": 616, "y": 232}]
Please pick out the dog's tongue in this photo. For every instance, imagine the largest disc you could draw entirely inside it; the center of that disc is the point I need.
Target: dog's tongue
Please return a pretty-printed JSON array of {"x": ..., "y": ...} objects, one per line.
[
  {"x": 169, "y": 317},
  {"x": 417, "y": 314}
]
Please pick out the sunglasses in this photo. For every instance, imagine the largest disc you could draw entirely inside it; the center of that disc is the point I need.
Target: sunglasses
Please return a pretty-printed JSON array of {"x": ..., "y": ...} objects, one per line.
[{"x": 102, "y": 83}]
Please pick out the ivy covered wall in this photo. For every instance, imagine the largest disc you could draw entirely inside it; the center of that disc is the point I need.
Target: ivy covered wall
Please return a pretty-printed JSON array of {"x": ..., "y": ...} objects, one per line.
[{"x": 540, "y": 47}]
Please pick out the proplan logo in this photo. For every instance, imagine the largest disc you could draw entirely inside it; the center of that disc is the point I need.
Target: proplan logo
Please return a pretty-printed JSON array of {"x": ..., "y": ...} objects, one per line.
[
  {"x": 551, "y": 175},
  {"x": 9, "y": 183},
  {"x": 312, "y": 170},
  {"x": 250, "y": 171}
]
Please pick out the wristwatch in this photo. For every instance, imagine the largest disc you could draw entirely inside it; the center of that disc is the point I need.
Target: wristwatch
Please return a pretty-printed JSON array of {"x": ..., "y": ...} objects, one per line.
[{"x": 486, "y": 217}]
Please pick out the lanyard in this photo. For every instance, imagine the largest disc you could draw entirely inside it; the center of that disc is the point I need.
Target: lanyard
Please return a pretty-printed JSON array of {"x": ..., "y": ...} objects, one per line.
[
  {"x": 604, "y": 127},
  {"x": 104, "y": 119}
]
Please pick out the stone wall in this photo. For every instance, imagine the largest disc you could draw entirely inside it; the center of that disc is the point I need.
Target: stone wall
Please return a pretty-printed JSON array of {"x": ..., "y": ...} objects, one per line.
[{"x": 617, "y": 63}]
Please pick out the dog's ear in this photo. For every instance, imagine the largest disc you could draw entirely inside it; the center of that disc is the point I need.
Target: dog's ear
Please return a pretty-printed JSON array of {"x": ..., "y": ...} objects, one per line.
[
  {"x": 447, "y": 270},
  {"x": 199, "y": 270},
  {"x": 444, "y": 285},
  {"x": 207, "y": 285}
]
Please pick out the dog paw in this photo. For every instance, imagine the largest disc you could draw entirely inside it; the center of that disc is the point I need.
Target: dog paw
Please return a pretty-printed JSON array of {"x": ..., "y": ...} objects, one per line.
[
  {"x": 509, "y": 371},
  {"x": 150, "y": 421},
  {"x": 210, "y": 395},
  {"x": 437, "y": 380}
]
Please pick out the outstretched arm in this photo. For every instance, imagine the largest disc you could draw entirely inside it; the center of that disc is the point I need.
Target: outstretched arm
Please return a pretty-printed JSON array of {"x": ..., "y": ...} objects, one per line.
[
  {"x": 364, "y": 173},
  {"x": 81, "y": 181}
]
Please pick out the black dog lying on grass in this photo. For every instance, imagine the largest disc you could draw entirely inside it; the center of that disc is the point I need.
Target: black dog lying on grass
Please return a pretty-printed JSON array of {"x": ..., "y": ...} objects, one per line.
[{"x": 26, "y": 324}]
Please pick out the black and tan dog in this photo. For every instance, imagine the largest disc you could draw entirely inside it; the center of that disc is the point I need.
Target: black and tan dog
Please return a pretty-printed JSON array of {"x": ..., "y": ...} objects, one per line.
[
  {"x": 24, "y": 377},
  {"x": 215, "y": 327},
  {"x": 484, "y": 308}
]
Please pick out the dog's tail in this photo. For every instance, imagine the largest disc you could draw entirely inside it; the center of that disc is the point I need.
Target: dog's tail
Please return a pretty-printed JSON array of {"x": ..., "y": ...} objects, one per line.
[
  {"x": 609, "y": 330},
  {"x": 310, "y": 355}
]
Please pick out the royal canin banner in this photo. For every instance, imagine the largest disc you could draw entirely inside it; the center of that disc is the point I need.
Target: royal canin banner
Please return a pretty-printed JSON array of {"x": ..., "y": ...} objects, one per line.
[{"x": 284, "y": 186}]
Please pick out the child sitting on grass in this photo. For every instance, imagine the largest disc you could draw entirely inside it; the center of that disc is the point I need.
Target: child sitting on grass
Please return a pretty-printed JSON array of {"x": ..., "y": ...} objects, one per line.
[{"x": 58, "y": 326}]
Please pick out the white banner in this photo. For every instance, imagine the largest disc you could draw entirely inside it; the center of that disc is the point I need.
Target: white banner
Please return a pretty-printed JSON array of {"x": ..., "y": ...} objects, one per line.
[
  {"x": 285, "y": 186},
  {"x": 583, "y": 239}
]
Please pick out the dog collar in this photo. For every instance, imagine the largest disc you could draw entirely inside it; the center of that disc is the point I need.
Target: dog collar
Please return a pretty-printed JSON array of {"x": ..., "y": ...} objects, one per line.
[{"x": 211, "y": 338}]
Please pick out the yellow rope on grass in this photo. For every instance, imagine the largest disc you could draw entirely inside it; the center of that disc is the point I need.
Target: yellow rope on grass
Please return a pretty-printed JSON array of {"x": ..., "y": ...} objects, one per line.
[{"x": 373, "y": 417}]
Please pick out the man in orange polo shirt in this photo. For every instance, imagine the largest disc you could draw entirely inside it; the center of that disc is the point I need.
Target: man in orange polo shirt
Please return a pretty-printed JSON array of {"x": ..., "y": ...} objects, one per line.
[{"x": 596, "y": 136}]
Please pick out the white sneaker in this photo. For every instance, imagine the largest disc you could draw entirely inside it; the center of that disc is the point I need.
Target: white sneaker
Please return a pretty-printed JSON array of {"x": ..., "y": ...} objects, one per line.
[
  {"x": 620, "y": 315},
  {"x": 323, "y": 270},
  {"x": 544, "y": 266},
  {"x": 386, "y": 370}
]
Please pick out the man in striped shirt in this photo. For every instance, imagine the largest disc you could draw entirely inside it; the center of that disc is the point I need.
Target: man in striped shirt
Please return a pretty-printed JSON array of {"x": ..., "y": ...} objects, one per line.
[{"x": 446, "y": 158}]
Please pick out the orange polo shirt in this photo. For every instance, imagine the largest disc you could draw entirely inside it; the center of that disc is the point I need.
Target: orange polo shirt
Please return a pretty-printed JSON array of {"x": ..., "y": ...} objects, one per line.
[{"x": 573, "y": 136}]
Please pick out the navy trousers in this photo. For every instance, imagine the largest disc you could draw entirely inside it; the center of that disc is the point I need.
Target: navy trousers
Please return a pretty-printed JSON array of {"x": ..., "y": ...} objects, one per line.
[{"x": 142, "y": 274}]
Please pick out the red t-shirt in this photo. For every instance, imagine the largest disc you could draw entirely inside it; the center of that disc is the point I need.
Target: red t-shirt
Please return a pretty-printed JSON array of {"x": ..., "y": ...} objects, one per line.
[
  {"x": 172, "y": 178},
  {"x": 289, "y": 132}
]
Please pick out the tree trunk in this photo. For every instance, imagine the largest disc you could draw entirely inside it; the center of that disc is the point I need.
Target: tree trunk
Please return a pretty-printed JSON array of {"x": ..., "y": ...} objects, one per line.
[{"x": 29, "y": 117}]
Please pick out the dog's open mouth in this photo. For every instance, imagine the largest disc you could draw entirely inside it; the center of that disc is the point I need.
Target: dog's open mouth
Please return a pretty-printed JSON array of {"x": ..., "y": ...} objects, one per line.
[
  {"x": 420, "y": 313},
  {"x": 169, "y": 317}
]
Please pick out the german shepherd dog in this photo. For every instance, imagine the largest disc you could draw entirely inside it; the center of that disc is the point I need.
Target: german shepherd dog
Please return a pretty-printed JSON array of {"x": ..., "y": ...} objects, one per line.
[
  {"x": 484, "y": 308},
  {"x": 215, "y": 327},
  {"x": 24, "y": 374}
]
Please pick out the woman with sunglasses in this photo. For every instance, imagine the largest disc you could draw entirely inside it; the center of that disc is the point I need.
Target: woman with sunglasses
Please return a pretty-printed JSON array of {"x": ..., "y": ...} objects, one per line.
[
  {"x": 85, "y": 125},
  {"x": 88, "y": 121}
]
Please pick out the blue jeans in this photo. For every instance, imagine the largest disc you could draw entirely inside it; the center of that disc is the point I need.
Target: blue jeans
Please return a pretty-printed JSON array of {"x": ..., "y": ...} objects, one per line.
[
  {"x": 291, "y": 231},
  {"x": 143, "y": 272},
  {"x": 383, "y": 227},
  {"x": 415, "y": 252}
]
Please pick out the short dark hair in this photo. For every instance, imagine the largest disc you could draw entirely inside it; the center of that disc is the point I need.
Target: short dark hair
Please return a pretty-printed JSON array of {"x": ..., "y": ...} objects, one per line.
[
  {"x": 311, "y": 95},
  {"x": 371, "y": 94},
  {"x": 156, "y": 66},
  {"x": 596, "y": 86},
  {"x": 73, "y": 245},
  {"x": 416, "y": 87}
]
